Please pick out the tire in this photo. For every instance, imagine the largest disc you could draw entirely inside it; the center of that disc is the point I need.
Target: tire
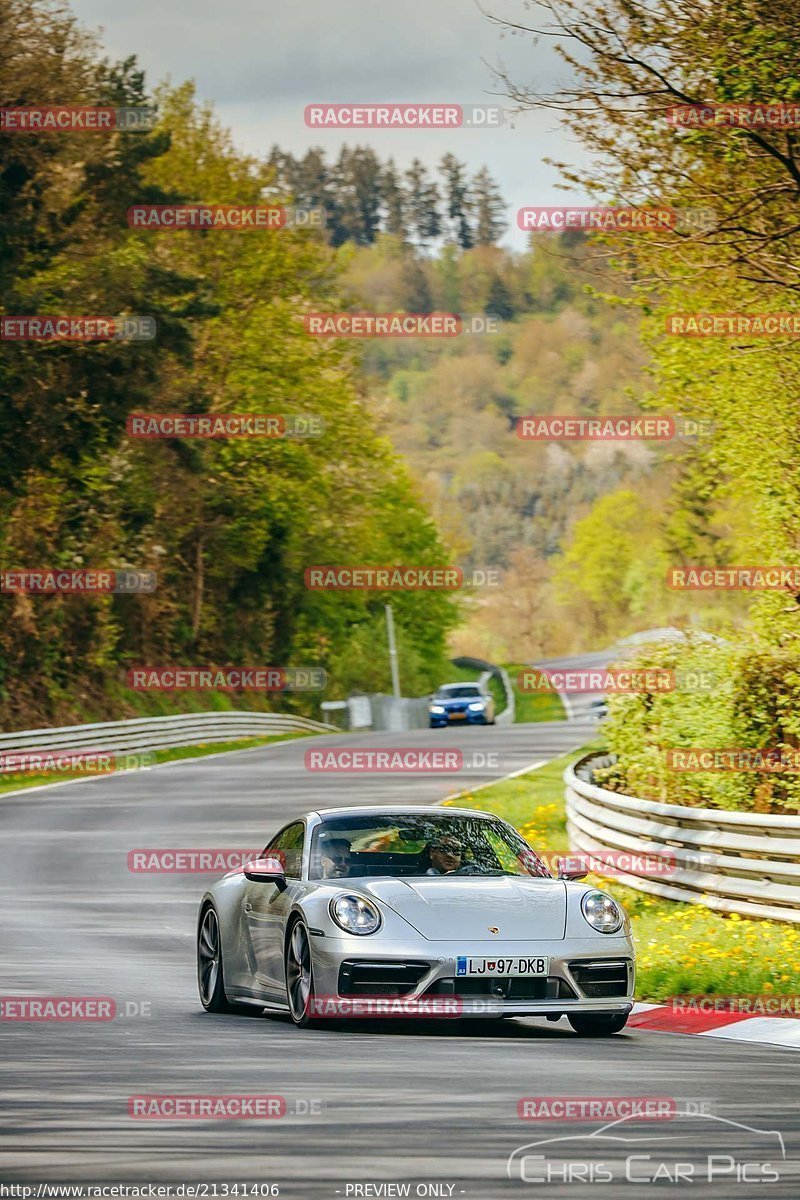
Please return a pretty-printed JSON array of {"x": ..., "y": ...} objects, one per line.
[
  {"x": 210, "y": 981},
  {"x": 210, "y": 978},
  {"x": 598, "y": 1024},
  {"x": 299, "y": 977}
]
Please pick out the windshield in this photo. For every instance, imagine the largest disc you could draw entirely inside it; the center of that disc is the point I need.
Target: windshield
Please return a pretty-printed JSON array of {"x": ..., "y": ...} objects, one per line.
[
  {"x": 409, "y": 845},
  {"x": 458, "y": 691}
]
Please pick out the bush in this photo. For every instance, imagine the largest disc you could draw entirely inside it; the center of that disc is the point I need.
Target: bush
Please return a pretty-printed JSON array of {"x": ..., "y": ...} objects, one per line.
[{"x": 742, "y": 696}]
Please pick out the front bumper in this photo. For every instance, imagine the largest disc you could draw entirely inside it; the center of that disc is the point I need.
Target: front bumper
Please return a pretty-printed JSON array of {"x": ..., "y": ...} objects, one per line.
[
  {"x": 441, "y": 720},
  {"x": 583, "y": 976}
]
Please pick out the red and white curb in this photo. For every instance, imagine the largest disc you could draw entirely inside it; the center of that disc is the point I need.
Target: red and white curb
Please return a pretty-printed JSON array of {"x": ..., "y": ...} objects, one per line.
[{"x": 737, "y": 1027}]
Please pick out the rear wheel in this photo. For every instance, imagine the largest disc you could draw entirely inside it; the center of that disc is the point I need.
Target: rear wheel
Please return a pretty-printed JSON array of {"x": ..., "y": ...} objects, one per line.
[
  {"x": 210, "y": 977},
  {"x": 598, "y": 1024},
  {"x": 210, "y": 980},
  {"x": 300, "y": 977}
]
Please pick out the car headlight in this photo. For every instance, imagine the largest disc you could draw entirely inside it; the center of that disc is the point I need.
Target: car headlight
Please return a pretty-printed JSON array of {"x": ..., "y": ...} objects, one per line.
[
  {"x": 478, "y": 706},
  {"x": 602, "y": 913},
  {"x": 437, "y": 708},
  {"x": 355, "y": 914}
]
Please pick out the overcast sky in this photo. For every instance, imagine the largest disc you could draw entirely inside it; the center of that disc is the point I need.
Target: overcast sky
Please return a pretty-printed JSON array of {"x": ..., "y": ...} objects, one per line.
[{"x": 262, "y": 62}]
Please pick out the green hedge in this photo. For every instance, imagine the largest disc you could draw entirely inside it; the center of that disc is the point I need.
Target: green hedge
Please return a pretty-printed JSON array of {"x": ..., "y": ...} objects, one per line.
[{"x": 725, "y": 697}]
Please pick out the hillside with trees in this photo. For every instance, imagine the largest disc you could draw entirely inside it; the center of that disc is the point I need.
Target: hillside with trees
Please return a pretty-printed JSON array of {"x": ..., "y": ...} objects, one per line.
[
  {"x": 583, "y": 531},
  {"x": 228, "y": 525},
  {"x": 421, "y": 461}
]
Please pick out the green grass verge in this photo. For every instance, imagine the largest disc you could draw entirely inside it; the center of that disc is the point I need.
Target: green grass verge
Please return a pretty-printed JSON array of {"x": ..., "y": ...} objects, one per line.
[
  {"x": 534, "y": 706},
  {"x": 15, "y": 782},
  {"x": 681, "y": 949}
]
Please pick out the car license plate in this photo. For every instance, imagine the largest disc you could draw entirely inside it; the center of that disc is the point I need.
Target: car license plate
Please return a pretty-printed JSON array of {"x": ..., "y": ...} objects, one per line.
[
  {"x": 502, "y": 966},
  {"x": 456, "y": 716}
]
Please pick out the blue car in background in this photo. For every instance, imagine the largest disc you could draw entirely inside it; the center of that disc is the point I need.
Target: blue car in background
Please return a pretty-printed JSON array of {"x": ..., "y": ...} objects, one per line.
[{"x": 460, "y": 704}]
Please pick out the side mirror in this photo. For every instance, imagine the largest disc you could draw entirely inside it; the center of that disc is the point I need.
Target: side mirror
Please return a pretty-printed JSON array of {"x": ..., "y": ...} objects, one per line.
[
  {"x": 572, "y": 868},
  {"x": 266, "y": 870}
]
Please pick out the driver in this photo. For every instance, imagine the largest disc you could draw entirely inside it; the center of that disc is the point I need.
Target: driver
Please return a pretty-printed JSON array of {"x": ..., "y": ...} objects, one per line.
[
  {"x": 334, "y": 858},
  {"x": 445, "y": 854}
]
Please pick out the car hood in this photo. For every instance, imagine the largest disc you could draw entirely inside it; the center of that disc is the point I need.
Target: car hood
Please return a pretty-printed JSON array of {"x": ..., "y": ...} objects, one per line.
[{"x": 446, "y": 909}]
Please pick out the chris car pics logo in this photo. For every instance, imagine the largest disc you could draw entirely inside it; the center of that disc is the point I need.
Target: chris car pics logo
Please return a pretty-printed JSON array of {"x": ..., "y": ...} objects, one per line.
[{"x": 693, "y": 1148}]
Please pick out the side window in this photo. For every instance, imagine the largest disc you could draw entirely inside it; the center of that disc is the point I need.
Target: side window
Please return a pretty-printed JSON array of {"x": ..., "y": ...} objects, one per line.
[{"x": 288, "y": 847}]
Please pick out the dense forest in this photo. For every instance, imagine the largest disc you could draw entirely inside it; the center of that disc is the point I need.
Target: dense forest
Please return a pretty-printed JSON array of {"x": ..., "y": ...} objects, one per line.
[{"x": 228, "y": 525}]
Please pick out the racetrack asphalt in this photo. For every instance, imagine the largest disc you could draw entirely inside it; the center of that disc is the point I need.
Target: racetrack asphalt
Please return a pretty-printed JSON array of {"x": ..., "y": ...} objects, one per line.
[{"x": 404, "y": 1103}]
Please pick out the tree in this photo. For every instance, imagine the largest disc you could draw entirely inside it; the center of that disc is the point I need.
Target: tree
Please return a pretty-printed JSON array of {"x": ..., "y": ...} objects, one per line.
[
  {"x": 393, "y": 201},
  {"x": 416, "y": 293},
  {"x": 613, "y": 564},
  {"x": 422, "y": 199},
  {"x": 229, "y": 525},
  {"x": 489, "y": 208},
  {"x": 498, "y": 301},
  {"x": 358, "y": 176},
  {"x": 458, "y": 201}
]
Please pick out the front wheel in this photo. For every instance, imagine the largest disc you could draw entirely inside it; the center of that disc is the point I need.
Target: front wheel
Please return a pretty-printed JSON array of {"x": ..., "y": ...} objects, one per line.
[
  {"x": 300, "y": 977},
  {"x": 598, "y": 1024}
]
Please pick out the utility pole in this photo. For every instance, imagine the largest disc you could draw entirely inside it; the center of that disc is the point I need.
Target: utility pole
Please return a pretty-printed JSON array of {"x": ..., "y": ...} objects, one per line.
[{"x": 392, "y": 652}]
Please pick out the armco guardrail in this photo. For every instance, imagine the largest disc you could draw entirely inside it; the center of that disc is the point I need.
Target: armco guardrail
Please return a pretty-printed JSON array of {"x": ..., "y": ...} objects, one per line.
[
  {"x": 750, "y": 864},
  {"x": 159, "y": 733}
]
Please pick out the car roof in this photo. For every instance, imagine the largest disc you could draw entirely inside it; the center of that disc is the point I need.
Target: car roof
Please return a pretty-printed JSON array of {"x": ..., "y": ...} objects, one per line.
[
  {"x": 406, "y": 810},
  {"x": 443, "y": 687}
]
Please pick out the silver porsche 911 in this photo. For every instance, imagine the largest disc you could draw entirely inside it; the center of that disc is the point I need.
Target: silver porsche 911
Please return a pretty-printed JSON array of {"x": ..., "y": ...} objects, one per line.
[{"x": 412, "y": 910}]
